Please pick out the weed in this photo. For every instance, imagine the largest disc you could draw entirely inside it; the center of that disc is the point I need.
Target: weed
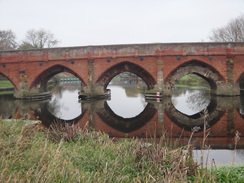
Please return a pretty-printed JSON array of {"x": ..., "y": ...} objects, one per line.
[{"x": 64, "y": 153}]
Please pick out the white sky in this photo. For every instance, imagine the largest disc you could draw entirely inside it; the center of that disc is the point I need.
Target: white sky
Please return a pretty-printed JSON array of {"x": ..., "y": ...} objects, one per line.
[{"x": 102, "y": 22}]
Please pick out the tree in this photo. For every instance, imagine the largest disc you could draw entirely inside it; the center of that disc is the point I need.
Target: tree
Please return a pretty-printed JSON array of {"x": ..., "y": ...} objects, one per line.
[
  {"x": 7, "y": 40},
  {"x": 26, "y": 46},
  {"x": 232, "y": 32},
  {"x": 38, "y": 39}
]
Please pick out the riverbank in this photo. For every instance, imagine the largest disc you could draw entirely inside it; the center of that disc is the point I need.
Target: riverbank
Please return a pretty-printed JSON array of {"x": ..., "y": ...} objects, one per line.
[
  {"x": 32, "y": 153},
  {"x": 192, "y": 81},
  {"x": 5, "y": 84},
  {"x": 6, "y": 87}
]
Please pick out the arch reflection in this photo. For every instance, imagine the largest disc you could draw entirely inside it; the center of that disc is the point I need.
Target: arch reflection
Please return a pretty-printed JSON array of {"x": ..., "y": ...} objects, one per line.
[
  {"x": 126, "y": 125},
  {"x": 190, "y": 101},
  {"x": 64, "y": 105},
  {"x": 7, "y": 110},
  {"x": 48, "y": 118},
  {"x": 210, "y": 115}
]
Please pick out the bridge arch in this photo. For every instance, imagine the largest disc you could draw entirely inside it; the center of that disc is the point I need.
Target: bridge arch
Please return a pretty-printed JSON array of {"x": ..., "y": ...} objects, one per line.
[
  {"x": 47, "y": 74},
  {"x": 126, "y": 66},
  {"x": 199, "y": 68}
]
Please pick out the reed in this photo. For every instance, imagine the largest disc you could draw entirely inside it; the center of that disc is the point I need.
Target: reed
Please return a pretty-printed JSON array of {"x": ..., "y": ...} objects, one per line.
[{"x": 65, "y": 153}]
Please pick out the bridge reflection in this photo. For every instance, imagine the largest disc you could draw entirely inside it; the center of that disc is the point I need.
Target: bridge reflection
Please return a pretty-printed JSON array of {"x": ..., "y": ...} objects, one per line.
[
  {"x": 224, "y": 117},
  {"x": 207, "y": 117}
]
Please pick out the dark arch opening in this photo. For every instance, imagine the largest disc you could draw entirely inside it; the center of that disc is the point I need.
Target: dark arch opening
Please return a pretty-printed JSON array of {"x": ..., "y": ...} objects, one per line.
[
  {"x": 241, "y": 85},
  {"x": 241, "y": 82},
  {"x": 126, "y": 66},
  {"x": 198, "y": 68},
  {"x": 46, "y": 75}
]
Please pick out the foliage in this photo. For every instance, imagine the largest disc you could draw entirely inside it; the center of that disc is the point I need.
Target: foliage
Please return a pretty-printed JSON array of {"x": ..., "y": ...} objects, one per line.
[
  {"x": 230, "y": 174},
  {"x": 7, "y": 40},
  {"x": 192, "y": 81},
  {"x": 26, "y": 46},
  {"x": 65, "y": 153},
  {"x": 38, "y": 39},
  {"x": 232, "y": 32},
  {"x": 5, "y": 84},
  {"x": 85, "y": 156}
]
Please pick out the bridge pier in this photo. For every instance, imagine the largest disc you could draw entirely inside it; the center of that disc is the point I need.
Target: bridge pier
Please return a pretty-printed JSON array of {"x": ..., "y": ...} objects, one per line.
[
  {"x": 158, "y": 92},
  {"x": 223, "y": 89},
  {"x": 160, "y": 89},
  {"x": 227, "y": 89},
  {"x": 94, "y": 93},
  {"x": 24, "y": 93}
]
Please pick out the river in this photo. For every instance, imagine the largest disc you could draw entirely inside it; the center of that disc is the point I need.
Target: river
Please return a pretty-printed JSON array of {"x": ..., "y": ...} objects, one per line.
[{"x": 128, "y": 114}]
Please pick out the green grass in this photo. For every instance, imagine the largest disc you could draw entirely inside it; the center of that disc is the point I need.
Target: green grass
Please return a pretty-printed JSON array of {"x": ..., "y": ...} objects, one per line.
[
  {"x": 5, "y": 84},
  {"x": 6, "y": 92},
  {"x": 192, "y": 81},
  {"x": 31, "y": 153},
  {"x": 230, "y": 174}
]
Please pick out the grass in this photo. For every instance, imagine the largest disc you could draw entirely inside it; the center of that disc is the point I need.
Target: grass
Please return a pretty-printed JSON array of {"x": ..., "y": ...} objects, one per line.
[
  {"x": 6, "y": 92},
  {"x": 5, "y": 84},
  {"x": 65, "y": 153},
  {"x": 229, "y": 174},
  {"x": 192, "y": 81}
]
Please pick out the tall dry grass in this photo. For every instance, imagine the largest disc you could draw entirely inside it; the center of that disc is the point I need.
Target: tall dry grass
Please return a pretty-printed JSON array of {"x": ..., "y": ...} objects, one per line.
[{"x": 65, "y": 153}]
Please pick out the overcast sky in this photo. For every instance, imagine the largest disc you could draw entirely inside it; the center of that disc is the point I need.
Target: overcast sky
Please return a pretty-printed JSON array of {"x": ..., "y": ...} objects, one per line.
[{"x": 103, "y": 22}]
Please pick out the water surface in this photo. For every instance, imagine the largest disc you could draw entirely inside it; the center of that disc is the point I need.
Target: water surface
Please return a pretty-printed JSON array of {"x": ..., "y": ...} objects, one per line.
[{"x": 128, "y": 114}]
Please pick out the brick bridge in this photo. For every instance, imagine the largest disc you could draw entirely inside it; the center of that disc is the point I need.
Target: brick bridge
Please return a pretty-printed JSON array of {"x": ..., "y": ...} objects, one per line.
[{"x": 159, "y": 65}]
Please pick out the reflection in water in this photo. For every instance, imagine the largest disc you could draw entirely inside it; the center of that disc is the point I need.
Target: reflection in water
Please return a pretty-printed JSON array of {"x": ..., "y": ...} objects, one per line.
[
  {"x": 126, "y": 125},
  {"x": 64, "y": 103},
  {"x": 124, "y": 105},
  {"x": 203, "y": 119},
  {"x": 190, "y": 101},
  {"x": 6, "y": 106},
  {"x": 145, "y": 118},
  {"x": 219, "y": 156},
  {"x": 240, "y": 153}
]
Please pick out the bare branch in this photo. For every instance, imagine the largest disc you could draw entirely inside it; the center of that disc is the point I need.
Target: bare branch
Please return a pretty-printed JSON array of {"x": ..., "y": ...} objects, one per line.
[
  {"x": 7, "y": 40},
  {"x": 39, "y": 39},
  {"x": 232, "y": 32}
]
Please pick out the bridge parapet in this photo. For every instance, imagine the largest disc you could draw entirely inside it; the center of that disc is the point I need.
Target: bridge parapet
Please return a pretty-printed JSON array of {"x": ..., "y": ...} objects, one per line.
[{"x": 116, "y": 51}]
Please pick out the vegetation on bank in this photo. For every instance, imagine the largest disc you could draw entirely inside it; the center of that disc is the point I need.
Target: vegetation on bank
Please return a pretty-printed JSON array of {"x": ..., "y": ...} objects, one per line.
[
  {"x": 31, "y": 153},
  {"x": 6, "y": 92},
  {"x": 229, "y": 174},
  {"x": 5, "y": 84},
  {"x": 192, "y": 81}
]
